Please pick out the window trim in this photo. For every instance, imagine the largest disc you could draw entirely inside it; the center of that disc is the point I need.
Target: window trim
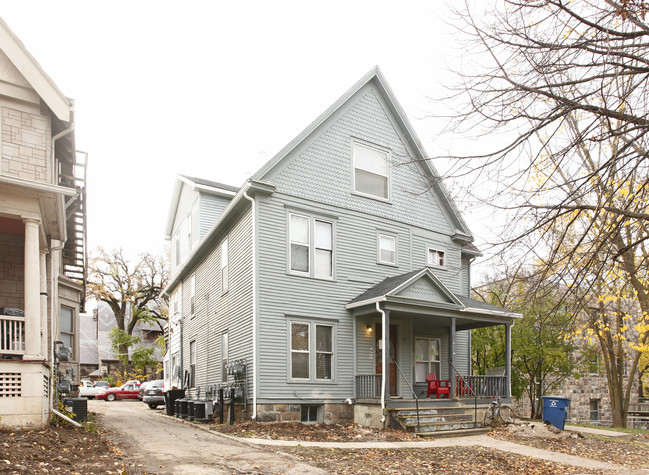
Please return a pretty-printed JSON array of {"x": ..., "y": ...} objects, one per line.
[
  {"x": 312, "y": 350},
  {"x": 379, "y": 149},
  {"x": 192, "y": 296},
  {"x": 192, "y": 364},
  {"x": 225, "y": 348},
  {"x": 379, "y": 248},
  {"x": 71, "y": 333},
  {"x": 311, "y": 262},
  {"x": 438, "y": 252},
  {"x": 428, "y": 361},
  {"x": 225, "y": 266}
]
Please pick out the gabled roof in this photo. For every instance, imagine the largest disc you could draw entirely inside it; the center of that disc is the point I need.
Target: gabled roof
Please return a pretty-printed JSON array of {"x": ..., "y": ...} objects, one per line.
[
  {"x": 39, "y": 80},
  {"x": 375, "y": 77},
  {"x": 407, "y": 288},
  {"x": 200, "y": 184}
]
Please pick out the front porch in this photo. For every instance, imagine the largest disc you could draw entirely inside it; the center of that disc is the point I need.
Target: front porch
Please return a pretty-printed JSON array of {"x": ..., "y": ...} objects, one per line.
[{"x": 426, "y": 330}]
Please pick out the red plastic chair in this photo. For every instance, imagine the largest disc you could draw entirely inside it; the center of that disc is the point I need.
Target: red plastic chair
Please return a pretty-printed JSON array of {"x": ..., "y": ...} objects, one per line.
[{"x": 437, "y": 386}]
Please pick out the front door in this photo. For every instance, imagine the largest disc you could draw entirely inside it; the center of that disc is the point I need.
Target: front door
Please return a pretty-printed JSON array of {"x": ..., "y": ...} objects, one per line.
[{"x": 393, "y": 355}]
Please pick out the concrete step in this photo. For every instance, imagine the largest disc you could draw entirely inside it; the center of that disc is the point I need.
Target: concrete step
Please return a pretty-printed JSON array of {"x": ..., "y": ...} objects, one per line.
[
  {"x": 454, "y": 433},
  {"x": 450, "y": 418},
  {"x": 431, "y": 412},
  {"x": 435, "y": 427}
]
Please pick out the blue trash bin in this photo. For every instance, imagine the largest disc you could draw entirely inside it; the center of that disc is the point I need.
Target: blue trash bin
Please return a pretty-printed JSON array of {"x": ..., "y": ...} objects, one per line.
[{"x": 555, "y": 409}]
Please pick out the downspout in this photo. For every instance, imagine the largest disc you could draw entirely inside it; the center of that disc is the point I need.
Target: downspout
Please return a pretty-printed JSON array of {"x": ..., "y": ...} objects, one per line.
[
  {"x": 254, "y": 306},
  {"x": 383, "y": 360}
]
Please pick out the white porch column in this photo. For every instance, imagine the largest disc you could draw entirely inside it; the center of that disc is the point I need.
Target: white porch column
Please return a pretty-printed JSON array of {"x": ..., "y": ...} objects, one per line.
[
  {"x": 32, "y": 291},
  {"x": 44, "y": 336},
  {"x": 451, "y": 356}
]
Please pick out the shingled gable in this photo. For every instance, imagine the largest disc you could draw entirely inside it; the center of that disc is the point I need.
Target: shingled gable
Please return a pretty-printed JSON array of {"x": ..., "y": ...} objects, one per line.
[
  {"x": 411, "y": 141},
  {"x": 34, "y": 75},
  {"x": 420, "y": 284}
]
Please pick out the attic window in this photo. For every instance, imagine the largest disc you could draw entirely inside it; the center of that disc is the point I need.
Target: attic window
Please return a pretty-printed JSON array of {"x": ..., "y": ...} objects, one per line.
[
  {"x": 436, "y": 258},
  {"x": 371, "y": 172}
]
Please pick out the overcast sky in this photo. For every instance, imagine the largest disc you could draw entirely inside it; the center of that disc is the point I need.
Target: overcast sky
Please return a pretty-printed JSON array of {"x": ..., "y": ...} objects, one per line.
[{"x": 214, "y": 89}]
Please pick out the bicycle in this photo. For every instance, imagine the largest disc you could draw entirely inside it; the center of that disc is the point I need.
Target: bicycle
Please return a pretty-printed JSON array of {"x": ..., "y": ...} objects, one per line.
[{"x": 499, "y": 412}]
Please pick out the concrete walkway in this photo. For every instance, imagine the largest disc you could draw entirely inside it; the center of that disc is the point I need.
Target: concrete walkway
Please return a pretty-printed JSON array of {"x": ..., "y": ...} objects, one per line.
[
  {"x": 608, "y": 433},
  {"x": 475, "y": 440}
]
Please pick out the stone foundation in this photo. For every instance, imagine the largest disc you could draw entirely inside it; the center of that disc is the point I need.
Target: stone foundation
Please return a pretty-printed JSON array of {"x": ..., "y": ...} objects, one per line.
[{"x": 329, "y": 413}]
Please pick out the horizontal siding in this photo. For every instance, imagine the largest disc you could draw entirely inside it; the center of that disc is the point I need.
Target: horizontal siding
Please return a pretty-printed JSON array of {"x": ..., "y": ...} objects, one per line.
[
  {"x": 322, "y": 169},
  {"x": 217, "y": 312}
]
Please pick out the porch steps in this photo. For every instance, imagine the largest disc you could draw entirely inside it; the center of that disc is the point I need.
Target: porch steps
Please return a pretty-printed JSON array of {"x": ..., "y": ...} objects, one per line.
[{"x": 438, "y": 421}]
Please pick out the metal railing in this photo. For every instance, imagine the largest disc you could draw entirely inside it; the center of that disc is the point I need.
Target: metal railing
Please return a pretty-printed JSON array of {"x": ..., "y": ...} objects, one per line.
[
  {"x": 12, "y": 335},
  {"x": 368, "y": 386},
  {"x": 466, "y": 386},
  {"x": 411, "y": 390},
  {"x": 481, "y": 385}
]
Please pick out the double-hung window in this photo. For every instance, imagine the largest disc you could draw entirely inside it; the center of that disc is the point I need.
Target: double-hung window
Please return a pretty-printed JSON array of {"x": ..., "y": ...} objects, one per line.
[
  {"x": 66, "y": 334},
  {"x": 427, "y": 358},
  {"x": 371, "y": 171},
  {"x": 387, "y": 249},
  {"x": 311, "y": 250},
  {"x": 311, "y": 351},
  {"x": 192, "y": 364},
  {"x": 192, "y": 298},
  {"x": 436, "y": 258}
]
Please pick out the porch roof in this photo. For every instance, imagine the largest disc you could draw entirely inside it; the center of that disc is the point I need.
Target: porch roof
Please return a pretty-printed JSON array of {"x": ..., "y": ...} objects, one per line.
[{"x": 422, "y": 293}]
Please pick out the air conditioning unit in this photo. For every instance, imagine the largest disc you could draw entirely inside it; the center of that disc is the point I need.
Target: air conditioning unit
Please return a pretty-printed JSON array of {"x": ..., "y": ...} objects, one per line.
[{"x": 203, "y": 410}]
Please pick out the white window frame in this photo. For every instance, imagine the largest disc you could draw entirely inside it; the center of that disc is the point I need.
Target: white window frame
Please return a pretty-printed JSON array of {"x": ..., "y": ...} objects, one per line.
[
  {"x": 177, "y": 250},
  {"x": 224, "y": 356},
  {"x": 388, "y": 175},
  {"x": 379, "y": 248},
  {"x": 312, "y": 351},
  {"x": 70, "y": 333},
  {"x": 225, "y": 274},
  {"x": 428, "y": 360},
  {"x": 192, "y": 364},
  {"x": 312, "y": 246},
  {"x": 436, "y": 257},
  {"x": 192, "y": 296},
  {"x": 188, "y": 233}
]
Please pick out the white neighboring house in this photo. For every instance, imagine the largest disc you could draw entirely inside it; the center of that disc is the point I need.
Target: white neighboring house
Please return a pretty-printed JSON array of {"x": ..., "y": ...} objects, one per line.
[{"x": 42, "y": 235}]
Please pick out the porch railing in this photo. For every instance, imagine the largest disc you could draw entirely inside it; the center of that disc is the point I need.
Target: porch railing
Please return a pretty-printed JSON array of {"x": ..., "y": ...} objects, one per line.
[
  {"x": 12, "y": 335},
  {"x": 481, "y": 386},
  {"x": 368, "y": 386}
]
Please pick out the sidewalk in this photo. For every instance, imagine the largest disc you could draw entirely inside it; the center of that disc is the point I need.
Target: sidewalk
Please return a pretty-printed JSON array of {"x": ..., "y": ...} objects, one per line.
[
  {"x": 608, "y": 433},
  {"x": 475, "y": 440}
]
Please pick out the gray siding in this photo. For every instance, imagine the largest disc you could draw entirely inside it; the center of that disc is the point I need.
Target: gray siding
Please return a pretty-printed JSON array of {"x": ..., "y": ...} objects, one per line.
[
  {"x": 187, "y": 205},
  {"x": 217, "y": 312},
  {"x": 321, "y": 170},
  {"x": 211, "y": 208}
]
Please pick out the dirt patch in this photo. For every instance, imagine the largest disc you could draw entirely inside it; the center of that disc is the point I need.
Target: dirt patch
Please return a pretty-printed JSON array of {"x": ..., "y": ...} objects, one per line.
[
  {"x": 633, "y": 453},
  {"x": 312, "y": 432},
  {"x": 64, "y": 449}
]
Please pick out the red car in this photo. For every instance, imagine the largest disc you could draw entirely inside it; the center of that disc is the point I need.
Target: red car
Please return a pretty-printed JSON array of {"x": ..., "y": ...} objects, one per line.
[{"x": 126, "y": 391}]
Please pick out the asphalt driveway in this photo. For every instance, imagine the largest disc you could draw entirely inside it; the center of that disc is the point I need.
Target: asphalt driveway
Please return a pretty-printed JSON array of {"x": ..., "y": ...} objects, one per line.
[{"x": 166, "y": 446}]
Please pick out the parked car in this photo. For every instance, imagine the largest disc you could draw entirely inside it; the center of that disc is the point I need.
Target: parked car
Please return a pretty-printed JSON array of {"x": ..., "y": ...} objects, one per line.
[
  {"x": 125, "y": 391},
  {"x": 88, "y": 389},
  {"x": 153, "y": 394},
  {"x": 143, "y": 386},
  {"x": 102, "y": 385}
]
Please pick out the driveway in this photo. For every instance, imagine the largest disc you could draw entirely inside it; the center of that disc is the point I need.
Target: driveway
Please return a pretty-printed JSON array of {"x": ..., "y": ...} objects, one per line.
[{"x": 165, "y": 445}]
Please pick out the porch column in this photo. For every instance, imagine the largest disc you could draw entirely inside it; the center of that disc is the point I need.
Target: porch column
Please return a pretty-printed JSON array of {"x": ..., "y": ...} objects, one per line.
[
  {"x": 451, "y": 356},
  {"x": 508, "y": 359},
  {"x": 44, "y": 332},
  {"x": 32, "y": 282},
  {"x": 386, "y": 354}
]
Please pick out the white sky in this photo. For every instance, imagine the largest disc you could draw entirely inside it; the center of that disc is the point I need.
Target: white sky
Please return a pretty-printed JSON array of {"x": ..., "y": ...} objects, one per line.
[{"x": 214, "y": 89}]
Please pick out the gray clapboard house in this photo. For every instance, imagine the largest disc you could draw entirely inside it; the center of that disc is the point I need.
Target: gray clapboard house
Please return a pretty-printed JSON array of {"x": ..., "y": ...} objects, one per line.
[{"x": 345, "y": 243}]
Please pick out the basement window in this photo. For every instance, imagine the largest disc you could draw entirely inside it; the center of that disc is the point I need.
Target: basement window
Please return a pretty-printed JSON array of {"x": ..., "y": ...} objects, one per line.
[{"x": 310, "y": 414}]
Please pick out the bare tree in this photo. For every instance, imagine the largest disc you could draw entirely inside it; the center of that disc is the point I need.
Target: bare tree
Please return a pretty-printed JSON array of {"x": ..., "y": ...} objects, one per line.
[
  {"x": 133, "y": 290},
  {"x": 566, "y": 84}
]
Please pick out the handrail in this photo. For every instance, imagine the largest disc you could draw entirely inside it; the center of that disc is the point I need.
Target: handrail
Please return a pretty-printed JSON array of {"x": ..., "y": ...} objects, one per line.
[
  {"x": 475, "y": 396},
  {"x": 411, "y": 390}
]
